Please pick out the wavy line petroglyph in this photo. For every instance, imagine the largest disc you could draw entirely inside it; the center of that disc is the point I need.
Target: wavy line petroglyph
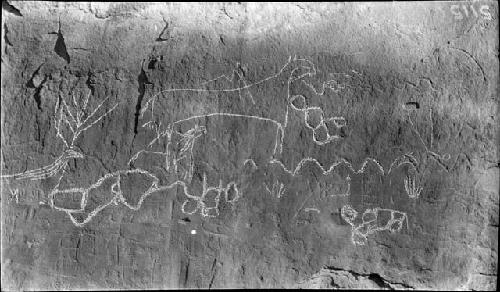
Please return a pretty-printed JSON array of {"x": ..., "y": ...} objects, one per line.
[
  {"x": 404, "y": 159},
  {"x": 74, "y": 119}
]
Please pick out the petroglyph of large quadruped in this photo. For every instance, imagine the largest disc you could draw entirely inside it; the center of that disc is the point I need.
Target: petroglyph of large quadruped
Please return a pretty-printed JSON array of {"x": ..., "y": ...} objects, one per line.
[{"x": 152, "y": 146}]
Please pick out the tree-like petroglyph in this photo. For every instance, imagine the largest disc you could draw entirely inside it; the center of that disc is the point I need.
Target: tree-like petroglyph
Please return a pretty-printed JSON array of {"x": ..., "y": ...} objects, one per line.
[
  {"x": 151, "y": 146},
  {"x": 160, "y": 168},
  {"x": 70, "y": 122}
]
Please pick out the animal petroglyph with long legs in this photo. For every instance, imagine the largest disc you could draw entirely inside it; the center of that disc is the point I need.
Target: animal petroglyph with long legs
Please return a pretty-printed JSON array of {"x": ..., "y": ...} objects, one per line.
[
  {"x": 297, "y": 69},
  {"x": 72, "y": 119}
]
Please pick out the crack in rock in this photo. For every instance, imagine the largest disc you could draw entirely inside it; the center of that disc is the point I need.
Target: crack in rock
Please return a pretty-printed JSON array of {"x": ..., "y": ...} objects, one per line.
[
  {"x": 11, "y": 8},
  {"x": 165, "y": 33},
  {"x": 60, "y": 47},
  {"x": 142, "y": 79},
  {"x": 5, "y": 35},
  {"x": 332, "y": 277}
]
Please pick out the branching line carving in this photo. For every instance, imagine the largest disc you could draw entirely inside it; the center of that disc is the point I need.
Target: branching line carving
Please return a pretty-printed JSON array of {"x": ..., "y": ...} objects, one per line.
[{"x": 73, "y": 119}]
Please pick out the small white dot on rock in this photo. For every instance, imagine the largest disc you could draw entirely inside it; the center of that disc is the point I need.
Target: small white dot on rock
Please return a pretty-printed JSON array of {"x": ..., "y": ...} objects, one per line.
[{"x": 193, "y": 231}]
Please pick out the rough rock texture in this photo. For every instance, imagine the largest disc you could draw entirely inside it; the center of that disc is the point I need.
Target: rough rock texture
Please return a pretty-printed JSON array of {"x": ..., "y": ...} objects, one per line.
[{"x": 318, "y": 145}]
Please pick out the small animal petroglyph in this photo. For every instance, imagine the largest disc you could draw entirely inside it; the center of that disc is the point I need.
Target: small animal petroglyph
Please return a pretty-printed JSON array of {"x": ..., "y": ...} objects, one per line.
[
  {"x": 81, "y": 204},
  {"x": 371, "y": 221}
]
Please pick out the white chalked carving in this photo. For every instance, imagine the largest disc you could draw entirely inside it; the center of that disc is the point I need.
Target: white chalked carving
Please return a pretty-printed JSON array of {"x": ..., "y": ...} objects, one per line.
[
  {"x": 251, "y": 162},
  {"x": 14, "y": 195},
  {"x": 312, "y": 210},
  {"x": 277, "y": 190},
  {"x": 236, "y": 193},
  {"x": 206, "y": 208},
  {"x": 347, "y": 192},
  {"x": 50, "y": 170},
  {"x": 116, "y": 196},
  {"x": 371, "y": 222},
  {"x": 411, "y": 187},
  {"x": 404, "y": 159},
  {"x": 76, "y": 119},
  {"x": 167, "y": 130},
  {"x": 439, "y": 158},
  {"x": 281, "y": 122}
]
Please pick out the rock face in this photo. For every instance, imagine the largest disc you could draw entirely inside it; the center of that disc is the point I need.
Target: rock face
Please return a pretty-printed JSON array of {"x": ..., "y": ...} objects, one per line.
[{"x": 150, "y": 146}]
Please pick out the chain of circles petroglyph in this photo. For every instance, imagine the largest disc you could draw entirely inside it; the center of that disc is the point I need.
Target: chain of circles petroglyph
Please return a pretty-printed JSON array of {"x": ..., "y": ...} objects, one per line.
[{"x": 76, "y": 119}]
